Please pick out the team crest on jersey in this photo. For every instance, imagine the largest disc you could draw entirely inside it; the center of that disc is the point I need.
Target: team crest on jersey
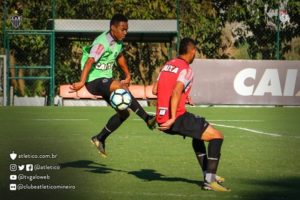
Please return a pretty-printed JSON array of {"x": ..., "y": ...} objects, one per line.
[
  {"x": 162, "y": 111},
  {"x": 170, "y": 68}
]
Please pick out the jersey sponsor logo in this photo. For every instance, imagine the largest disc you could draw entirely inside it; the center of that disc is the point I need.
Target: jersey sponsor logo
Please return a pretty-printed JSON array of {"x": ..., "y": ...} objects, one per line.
[
  {"x": 116, "y": 54},
  {"x": 102, "y": 66},
  {"x": 170, "y": 68}
]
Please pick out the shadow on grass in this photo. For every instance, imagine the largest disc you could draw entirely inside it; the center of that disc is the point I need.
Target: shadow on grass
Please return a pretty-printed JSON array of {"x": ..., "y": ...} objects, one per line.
[
  {"x": 89, "y": 166},
  {"x": 144, "y": 174},
  {"x": 275, "y": 189},
  {"x": 152, "y": 175}
]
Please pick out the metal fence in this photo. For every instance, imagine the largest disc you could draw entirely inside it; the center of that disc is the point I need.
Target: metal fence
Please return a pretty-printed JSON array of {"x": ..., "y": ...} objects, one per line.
[
  {"x": 31, "y": 63},
  {"x": 3, "y": 68},
  {"x": 274, "y": 38}
]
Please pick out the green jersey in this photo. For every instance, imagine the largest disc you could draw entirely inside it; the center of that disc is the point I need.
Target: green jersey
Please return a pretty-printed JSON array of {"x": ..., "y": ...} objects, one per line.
[{"x": 102, "y": 68}]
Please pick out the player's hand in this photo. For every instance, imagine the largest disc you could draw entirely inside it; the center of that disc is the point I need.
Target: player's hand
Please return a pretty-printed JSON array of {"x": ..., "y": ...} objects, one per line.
[
  {"x": 167, "y": 125},
  {"x": 126, "y": 81},
  {"x": 76, "y": 86}
]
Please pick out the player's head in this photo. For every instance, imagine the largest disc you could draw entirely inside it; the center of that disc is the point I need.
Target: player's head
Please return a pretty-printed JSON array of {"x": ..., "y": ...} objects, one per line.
[
  {"x": 119, "y": 26},
  {"x": 187, "y": 48}
]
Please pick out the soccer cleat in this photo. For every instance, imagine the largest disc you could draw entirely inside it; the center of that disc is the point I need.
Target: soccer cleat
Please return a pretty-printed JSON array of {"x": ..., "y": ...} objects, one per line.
[
  {"x": 151, "y": 122},
  {"x": 214, "y": 186},
  {"x": 220, "y": 179},
  {"x": 100, "y": 146}
]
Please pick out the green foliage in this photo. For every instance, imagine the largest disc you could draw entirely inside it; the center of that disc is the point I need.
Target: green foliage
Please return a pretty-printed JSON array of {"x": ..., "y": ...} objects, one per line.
[
  {"x": 29, "y": 50},
  {"x": 202, "y": 20},
  {"x": 68, "y": 55},
  {"x": 261, "y": 29}
]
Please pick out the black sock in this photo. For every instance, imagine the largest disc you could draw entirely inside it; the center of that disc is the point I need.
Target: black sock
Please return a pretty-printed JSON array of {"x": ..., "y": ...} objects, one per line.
[
  {"x": 113, "y": 123},
  {"x": 200, "y": 152},
  {"x": 137, "y": 108},
  {"x": 214, "y": 153}
]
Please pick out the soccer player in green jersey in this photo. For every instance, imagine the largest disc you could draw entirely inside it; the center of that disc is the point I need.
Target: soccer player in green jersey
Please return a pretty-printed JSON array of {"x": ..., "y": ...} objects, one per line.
[{"x": 97, "y": 63}]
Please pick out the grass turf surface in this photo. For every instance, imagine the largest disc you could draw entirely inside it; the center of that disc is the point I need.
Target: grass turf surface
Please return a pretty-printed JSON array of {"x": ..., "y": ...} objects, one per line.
[{"x": 144, "y": 164}]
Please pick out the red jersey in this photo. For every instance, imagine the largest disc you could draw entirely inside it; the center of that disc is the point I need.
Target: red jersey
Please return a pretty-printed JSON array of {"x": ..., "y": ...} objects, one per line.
[{"x": 173, "y": 71}]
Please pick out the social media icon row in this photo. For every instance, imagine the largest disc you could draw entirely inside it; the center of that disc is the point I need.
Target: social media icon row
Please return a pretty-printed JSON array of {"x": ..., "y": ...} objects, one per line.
[
  {"x": 14, "y": 167},
  {"x": 13, "y": 177},
  {"x": 13, "y": 187}
]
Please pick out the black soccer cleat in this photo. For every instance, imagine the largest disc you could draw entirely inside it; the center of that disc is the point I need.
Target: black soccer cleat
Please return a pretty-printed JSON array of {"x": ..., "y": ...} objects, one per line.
[
  {"x": 100, "y": 146},
  {"x": 151, "y": 122}
]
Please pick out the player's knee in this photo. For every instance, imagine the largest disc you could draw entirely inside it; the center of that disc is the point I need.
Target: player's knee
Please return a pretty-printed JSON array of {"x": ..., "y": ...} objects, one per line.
[
  {"x": 115, "y": 85},
  {"x": 216, "y": 134},
  {"x": 219, "y": 135}
]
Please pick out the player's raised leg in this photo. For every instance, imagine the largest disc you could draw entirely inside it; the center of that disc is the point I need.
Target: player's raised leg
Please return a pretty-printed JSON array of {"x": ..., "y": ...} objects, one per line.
[
  {"x": 135, "y": 106},
  {"x": 116, "y": 120}
]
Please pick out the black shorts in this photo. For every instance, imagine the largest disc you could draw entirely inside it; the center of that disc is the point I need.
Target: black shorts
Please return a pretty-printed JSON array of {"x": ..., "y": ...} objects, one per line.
[
  {"x": 100, "y": 87},
  {"x": 188, "y": 125}
]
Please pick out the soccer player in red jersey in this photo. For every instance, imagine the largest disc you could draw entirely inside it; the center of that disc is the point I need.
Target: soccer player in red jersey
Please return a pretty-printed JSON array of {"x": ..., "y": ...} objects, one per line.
[{"x": 172, "y": 89}]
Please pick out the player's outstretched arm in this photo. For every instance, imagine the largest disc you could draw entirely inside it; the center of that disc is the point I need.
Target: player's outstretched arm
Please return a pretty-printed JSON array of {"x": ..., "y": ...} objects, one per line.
[
  {"x": 154, "y": 88},
  {"x": 87, "y": 67},
  {"x": 122, "y": 63}
]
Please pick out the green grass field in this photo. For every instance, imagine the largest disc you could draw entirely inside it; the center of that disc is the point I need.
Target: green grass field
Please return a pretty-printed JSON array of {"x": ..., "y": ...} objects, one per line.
[{"x": 260, "y": 155}]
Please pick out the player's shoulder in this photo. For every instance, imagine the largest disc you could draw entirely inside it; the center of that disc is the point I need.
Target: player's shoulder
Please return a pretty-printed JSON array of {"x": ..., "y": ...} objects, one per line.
[
  {"x": 175, "y": 60},
  {"x": 101, "y": 39},
  {"x": 178, "y": 61}
]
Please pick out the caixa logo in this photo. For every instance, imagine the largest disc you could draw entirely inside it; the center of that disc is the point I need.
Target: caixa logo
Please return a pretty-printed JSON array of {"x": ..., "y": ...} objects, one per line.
[{"x": 247, "y": 83}]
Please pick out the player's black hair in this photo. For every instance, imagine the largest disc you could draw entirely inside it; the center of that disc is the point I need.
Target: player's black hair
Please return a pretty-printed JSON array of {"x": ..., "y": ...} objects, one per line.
[
  {"x": 117, "y": 18},
  {"x": 185, "y": 43}
]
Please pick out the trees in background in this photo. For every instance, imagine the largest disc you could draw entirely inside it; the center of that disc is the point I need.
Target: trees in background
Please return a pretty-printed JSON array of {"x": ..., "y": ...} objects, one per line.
[
  {"x": 260, "y": 26},
  {"x": 223, "y": 29}
]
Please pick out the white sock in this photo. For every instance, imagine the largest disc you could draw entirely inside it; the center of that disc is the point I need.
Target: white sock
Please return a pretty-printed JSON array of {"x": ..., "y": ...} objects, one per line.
[{"x": 210, "y": 177}]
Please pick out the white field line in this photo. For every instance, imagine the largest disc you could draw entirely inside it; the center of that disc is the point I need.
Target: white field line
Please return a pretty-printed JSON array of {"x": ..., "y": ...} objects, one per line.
[
  {"x": 221, "y": 125},
  {"x": 248, "y": 129},
  {"x": 240, "y": 128},
  {"x": 225, "y": 120},
  {"x": 57, "y": 119},
  {"x": 234, "y": 120}
]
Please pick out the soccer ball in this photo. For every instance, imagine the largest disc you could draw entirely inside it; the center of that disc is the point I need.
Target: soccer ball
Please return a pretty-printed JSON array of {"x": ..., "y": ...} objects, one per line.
[{"x": 120, "y": 99}]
